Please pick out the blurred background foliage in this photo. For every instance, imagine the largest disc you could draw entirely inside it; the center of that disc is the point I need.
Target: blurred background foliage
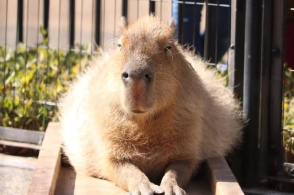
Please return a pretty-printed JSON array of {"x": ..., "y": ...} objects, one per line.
[
  {"x": 288, "y": 118},
  {"x": 32, "y": 78}
]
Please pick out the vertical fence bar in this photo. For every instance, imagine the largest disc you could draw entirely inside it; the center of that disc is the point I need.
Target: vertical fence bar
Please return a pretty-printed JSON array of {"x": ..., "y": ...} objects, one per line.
[
  {"x": 4, "y": 64},
  {"x": 216, "y": 33},
  {"x": 36, "y": 74},
  {"x": 98, "y": 22},
  {"x": 237, "y": 49},
  {"x": 25, "y": 66},
  {"x": 137, "y": 9},
  {"x": 209, "y": 38},
  {"x": 194, "y": 23},
  {"x": 231, "y": 62},
  {"x": 125, "y": 8},
  {"x": 46, "y": 17},
  {"x": 172, "y": 8},
  {"x": 181, "y": 18},
  {"x": 230, "y": 35},
  {"x": 46, "y": 26},
  {"x": 103, "y": 24},
  {"x": 276, "y": 94},
  {"x": 114, "y": 22},
  {"x": 265, "y": 85},
  {"x": 92, "y": 22},
  {"x": 20, "y": 20},
  {"x": 236, "y": 68},
  {"x": 180, "y": 22},
  {"x": 17, "y": 39},
  {"x": 72, "y": 8},
  {"x": 251, "y": 101},
  {"x": 160, "y": 9},
  {"x": 58, "y": 55},
  {"x": 81, "y": 35},
  {"x": 151, "y": 7}
]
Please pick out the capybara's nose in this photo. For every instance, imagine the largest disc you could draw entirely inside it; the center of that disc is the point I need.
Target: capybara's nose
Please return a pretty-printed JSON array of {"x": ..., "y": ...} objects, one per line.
[{"x": 136, "y": 75}]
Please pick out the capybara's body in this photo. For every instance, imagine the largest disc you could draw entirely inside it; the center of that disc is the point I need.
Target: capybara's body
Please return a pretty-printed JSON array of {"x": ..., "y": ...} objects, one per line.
[{"x": 148, "y": 109}]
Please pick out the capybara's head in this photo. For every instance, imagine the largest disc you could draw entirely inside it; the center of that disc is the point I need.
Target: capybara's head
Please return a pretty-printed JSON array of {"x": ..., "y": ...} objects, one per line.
[{"x": 146, "y": 55}]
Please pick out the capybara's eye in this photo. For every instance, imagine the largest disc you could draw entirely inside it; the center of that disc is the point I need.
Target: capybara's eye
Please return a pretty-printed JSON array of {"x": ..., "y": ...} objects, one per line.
[
  {"x": 119, "y": 46},
  {"x": 167, "y": 48}
]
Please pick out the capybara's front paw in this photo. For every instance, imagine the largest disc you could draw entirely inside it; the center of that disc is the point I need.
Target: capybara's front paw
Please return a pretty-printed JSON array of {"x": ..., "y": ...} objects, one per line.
[
  {"x": 170, "y": 188},
  {"x": 146, "y": 188}
]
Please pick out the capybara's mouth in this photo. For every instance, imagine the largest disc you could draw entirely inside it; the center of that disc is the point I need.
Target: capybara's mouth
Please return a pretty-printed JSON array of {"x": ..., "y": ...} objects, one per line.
[{"x": 138, "y": 111}]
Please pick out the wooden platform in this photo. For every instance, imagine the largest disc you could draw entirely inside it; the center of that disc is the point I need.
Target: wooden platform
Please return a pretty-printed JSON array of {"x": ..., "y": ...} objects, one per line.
[{"x": 51, "y": 178}]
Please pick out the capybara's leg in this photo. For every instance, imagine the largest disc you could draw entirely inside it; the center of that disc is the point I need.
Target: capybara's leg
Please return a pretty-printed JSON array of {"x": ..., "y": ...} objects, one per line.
[
  {"x": 132, "y": 179},
  {"x": 177, "y": 176}
]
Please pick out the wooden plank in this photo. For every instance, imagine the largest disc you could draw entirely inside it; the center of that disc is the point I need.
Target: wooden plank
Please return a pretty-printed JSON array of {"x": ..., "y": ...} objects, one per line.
[
  {"x": 66, "y": 181},
  {"x": 222, "y": 180},
  {"x": 49, "y": 174},
  {"x": 49, "y": 163},
  {"x": 70, "y": 183},
  {"x": 17, "y": 161},
  {"x": 19, "y": 144},
  {"x": 90, "y": 185},
  {"x": 20, "y": 135}
]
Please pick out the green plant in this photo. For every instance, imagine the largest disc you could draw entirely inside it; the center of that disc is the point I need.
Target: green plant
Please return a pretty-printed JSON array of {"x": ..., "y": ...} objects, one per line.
[
  {"x": 31, "y": 81},
  {"x": 288, "y": 119}
]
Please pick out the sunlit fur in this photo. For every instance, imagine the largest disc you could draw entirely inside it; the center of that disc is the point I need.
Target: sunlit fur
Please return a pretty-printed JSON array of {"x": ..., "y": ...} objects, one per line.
[{"x": 192, "y": 116}]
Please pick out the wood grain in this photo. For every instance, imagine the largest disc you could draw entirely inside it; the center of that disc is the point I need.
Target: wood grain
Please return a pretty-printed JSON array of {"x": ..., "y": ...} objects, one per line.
[
  {"x": 222, "y": 180},
  {"x": 49, "y": 163}
]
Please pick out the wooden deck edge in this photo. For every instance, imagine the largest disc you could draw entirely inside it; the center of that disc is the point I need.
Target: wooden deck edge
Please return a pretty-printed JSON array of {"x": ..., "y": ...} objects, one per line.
[
  {"x": 21, "y": 135},
  {"x": 17, "y": 161},
  {"x": 48, "y": 165},
  {"x": 19, "y": 144},
  {"x": 221, "y": 178}
]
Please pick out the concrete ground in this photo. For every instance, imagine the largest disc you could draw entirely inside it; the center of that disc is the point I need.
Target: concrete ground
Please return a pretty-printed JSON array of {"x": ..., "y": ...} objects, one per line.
[{"x": 15, "y": 174}]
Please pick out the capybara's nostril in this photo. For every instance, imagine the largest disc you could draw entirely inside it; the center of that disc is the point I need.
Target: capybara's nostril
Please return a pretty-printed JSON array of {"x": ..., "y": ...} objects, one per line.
[
  {"x": 125, "y": 76},
  {"x": 149, "y": 77}
]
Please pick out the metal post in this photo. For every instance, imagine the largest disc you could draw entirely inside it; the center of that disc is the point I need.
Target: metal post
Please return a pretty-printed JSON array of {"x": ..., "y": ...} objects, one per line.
[
  {"x": 265, "y": 86},
  {"x": 236, "y": 68},
  {"x": 46, "y": 16},
  {"x": 72, "y": 6},
  {"x": 151, "y": 6},
  {"x": 276, "y": 93},
  {"x": 251, "y": 101},
  {"x": 98, "y": 22},
  {"x": 210, "y": 32},
  {"x": 236, "y": 64},
  {"x": 125, "y": 8},
  {"x": 20, "y": 20}
]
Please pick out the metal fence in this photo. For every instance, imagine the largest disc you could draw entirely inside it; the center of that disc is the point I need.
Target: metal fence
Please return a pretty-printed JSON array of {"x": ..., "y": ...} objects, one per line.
[
  {"x": 47, "y": 42},
  {"x": 41, "y": 27}
]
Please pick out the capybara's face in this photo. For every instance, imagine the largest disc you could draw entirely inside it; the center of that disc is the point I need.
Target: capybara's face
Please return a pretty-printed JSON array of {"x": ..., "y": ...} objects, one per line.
[{"x": 145, "y": 55}]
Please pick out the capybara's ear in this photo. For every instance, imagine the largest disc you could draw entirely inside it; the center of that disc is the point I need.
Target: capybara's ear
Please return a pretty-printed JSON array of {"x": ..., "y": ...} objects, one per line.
[
  {"x": 123, "y": 24},
  {"x": 172, "y": 23}
]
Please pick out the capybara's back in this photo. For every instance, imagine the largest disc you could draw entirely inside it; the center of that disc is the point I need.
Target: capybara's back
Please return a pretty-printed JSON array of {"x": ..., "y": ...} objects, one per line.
[{"x": 148, "y": 113}]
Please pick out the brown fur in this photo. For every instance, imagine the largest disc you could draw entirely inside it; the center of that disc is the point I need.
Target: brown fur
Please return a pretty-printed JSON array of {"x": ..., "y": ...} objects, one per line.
[{"x": 189, "y": 115}]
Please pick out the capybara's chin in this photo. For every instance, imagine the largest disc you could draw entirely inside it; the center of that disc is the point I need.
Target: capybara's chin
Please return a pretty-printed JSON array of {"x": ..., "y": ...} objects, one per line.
[
  {"x": 138, "y": 104},
  {"x": 140, "y": 109}
]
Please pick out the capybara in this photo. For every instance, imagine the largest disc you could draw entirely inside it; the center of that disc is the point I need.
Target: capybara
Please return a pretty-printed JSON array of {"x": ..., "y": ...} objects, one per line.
[{"x": 145, "y": 115}]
